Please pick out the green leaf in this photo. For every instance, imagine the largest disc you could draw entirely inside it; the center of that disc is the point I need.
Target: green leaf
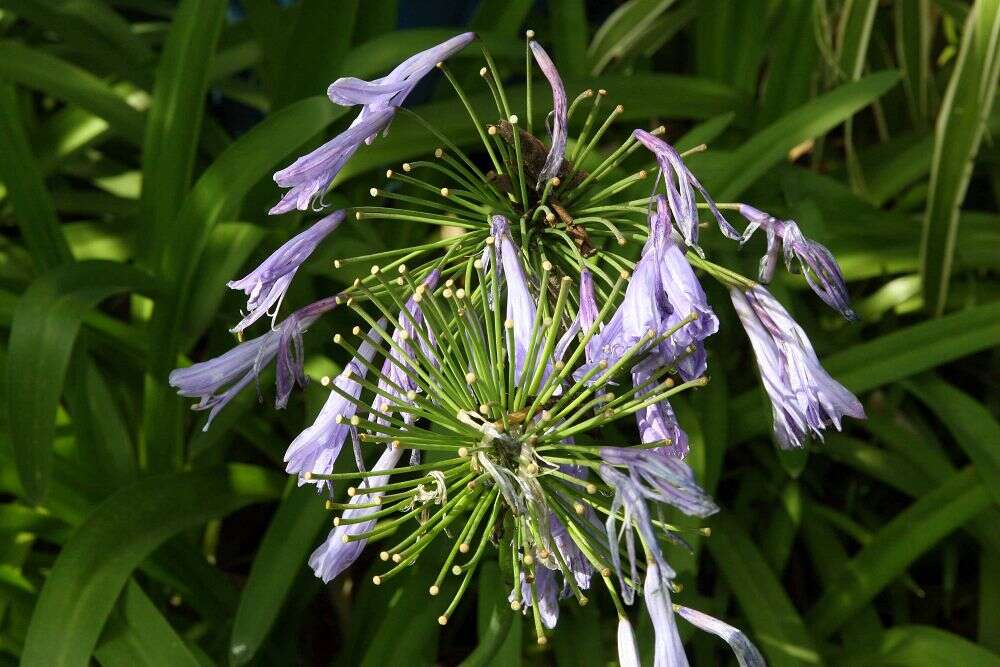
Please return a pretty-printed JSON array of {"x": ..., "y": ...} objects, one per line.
[
  {"x": 502, "y": 17},
  {"x": 46, "y": 321},
  {"x": 777, "y": 628},
  {"x": 175, "y": 119},
  {"x": 961, "y": 122},
  {"x": 137, "y": 634},
  {"x": 216, "y": 196},
  {"x": 925, "y": 646},
  {"x": 904, "y": 539},
  {"x": 621, "y": 31},
  {"x": 495, "y": 621},
  {"x": 975, "y": 429},
  {"x": 19, "y": 170},
  {"x": 771, "y": 145},
  {"x": 280, "y": 557},
  {"x": 913, "y": 44},
  {"x": 793, "y": 56},
  {"x": 90, "y": 572},
  {"x": 569, "y": 28},
  {"x": 66, "y": 82}
]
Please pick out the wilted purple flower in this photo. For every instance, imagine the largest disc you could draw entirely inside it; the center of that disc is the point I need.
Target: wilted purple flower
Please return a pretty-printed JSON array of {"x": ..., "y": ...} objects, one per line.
[
  {"x": 336, "y": 554},
  {"x": 217, "y": 381},
  {"x": 310, "y": 175},
  {"x": 316, "y": 448},
  {"x": 628, "y": 651},
  {"x": 266, "y": 285},
  {"x": 589, "y": 313},
  {"x": 816, "y": 263},
  {"x": 668, "y": 649},
  {"x": 660, "y": 478},
  {"x": 577, "y": 563},
  {"x": 747, "y": 654},
  {"x": 686, "y": 297},
  {"x": 557, "y": 130},
  {"x": 628, "y": 499},
  {"x": 680, "y": 185},
  {"x": 804, "y": 398}
]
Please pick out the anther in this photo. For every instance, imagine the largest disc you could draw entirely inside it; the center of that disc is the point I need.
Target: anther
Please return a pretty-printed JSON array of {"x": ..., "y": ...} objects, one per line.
[
  {"x": 358, "y": 215},
  {"x": 542, "y": 641},
  {"x": 478, "y": 264},
  {"x": 373, "y": 192},
  {"x": 591, "y": 488},
  {"x": 706, "y": 531},
  {"x": 377, "y": 580},
  {"x": 336, "y": 265},
  {"x": 470, "y": 377},
  {"x": 550, "y": 217},
  {"x": 530, "y": 34},
  {"x": 491, "y": 130},
  {"x": 395, "y": 444},
  {"x": 396, "y": 558},
  {"x": 443, "y": 620},
  {"x": 384, "y": 555},
  {"x": 555, "y": 181},
  {"x": 444, "y": 192},
  {"x": 460, "y": 293},
  {"x": 355, "y": 420},
  {"x": 356, "y": 331},
  {"x": 463, "y": 452},
  {"x": 325, "y": 380},
  {"x": 515, "y": 605},
  {"x": 407, "y": 167},
  {"x": 619, "y": 109},
  {"x": 484, "y": 409},
  {"x": 438, "y": 153},
  {"x": 546, "y": 265},
  {"x": 579, "y": 508},
  {"x": 388, "y": 173},
  {"x": 528, "y": 560},
  {"x": 336, "y": 521},
  {"x": 434, "y": 590},
  {"x": 483, "y": 71},
  {"x": 351, "y": 491},
  {"x": 508, "y": 324},
  {"x": 307, "y": 476},
  {"x": 375, "y": 269},
  {"x": 464, "y": 547},
  {"x": 513, "y": 119},
  {"x": 602, "y": 92},
  {"x": 456, "y": 570}
]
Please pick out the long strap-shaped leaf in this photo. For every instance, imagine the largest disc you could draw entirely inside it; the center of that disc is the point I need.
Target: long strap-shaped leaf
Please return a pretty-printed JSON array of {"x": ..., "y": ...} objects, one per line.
[
  {"x": 961, "y": 121},
  {"x": 175, "y": 118},
  {"x": 43, "y": 331},
  {"x": 902, "y": 541},
  {"x": 777, "y": 628},
  {"x": 19, "y": 170},
  {"x": 94, "y": 565}
]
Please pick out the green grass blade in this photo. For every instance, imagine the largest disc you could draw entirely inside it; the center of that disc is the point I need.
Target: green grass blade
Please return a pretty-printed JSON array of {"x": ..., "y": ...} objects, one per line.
[
  {"x": 93, "y": 567},
  {"x": 771, "y": 145},
  {"x": 19, "y": 170},
  {"x": 975, "y": 429},
  {"x": 793, "y": 56},
  {"x": 67, "y": 82},
  {"x": 778, "y": 630},
  {"x": 926, "y": 646},
  {"x": 904, "y": 539},
  {"x": 43, "y": 333},
  {"x": 282, "y": 554},
  {"x": 501, "y": 17},
  {"x": 138, "y": 634},
  {"x": 961, "y": 122},
  {"x": 175, "y": 119},
  {"x": 495, "y": 622},
  {"x": 568, "y": 30},
  {"x": 621, "y": 31},
  {"x": 912, "y": 22}
]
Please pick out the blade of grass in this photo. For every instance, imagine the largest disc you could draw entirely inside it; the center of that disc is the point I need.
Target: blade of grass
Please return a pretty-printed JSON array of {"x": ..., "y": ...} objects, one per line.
[
  {"x": 961, "y": 122},
  {"x": 904, "y": 539},
  {"x": 91, "y": 570}
]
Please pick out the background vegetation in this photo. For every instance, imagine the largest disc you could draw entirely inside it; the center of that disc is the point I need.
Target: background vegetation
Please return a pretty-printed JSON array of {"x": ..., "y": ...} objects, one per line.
[{"x": 137, "y": 140}]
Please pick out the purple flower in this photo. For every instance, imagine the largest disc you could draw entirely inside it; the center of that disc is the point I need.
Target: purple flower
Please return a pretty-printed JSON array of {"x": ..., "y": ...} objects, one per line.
[
  {"x": 628, "y": 651},
  {"x": 547, "y": 590},
  {"x": 577, "y": 563},
  {"x": 804, "y": 398},
  {"x": 686, "y": 298},
  {"x": 660, "y": 478},
  {"x": 266, "y": 285},
  {"x": 390, "y": 91},
  {"x": 628, "y": 499},
  {"x": 680, "y": 185},
  {"x": 310, "y": 175},
  {"x": 217, "y": 381},
  {"x": 553, "y": 161},
  {"x": 747, "y": 654},
  {"x": 816, "y": 263},
  {"x": 668, "y": 649},
  {"x": 335, "y": 555},
  {"x": 521, "y": 309},
  {"x": 657, "y": 422},
  {"x": 316, "y": 448},
  {"x": 588, "y": 316}
]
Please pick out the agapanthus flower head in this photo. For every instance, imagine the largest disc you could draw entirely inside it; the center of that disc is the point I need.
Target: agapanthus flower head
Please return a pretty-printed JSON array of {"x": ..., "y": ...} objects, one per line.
[
  {"x": 804, "y": 398},
  {"x": 496, "y": 359},
  {"x": 815, "y": 262}
]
